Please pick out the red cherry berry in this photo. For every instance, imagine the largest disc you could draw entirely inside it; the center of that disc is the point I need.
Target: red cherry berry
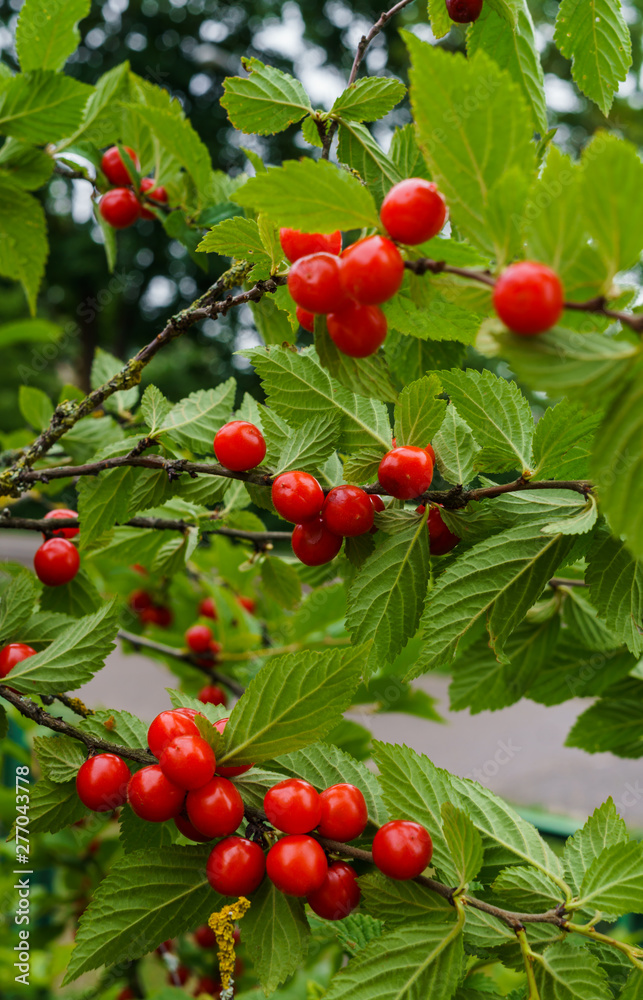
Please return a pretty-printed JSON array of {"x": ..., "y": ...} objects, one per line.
[
  {"x": 154, "y": 797},
  {"x": 338, "y": 894},
  {"x": 292, "y": 806},
  {"x": 234, "y": 770},
  {"x": 189, "y": 830},
  {"x": 402, "y": 849},
  {"x": 441, "y": 539},
  {"x": 529, "y": 298},
  {"x": 182, "y": 973},
  {"x": 431, "y": 453},
  {"x": 56, "y": 562},
  {"x": 314, "y": 544},
  {"x": 101, "y": 782},
  {"x": 247, "y": 603},
  {"x": 315, "y": 283},
  {"x": 372, "y": 271},
  {"x": 207, "y": 984},
  {"x": 205, "y": 936},
  {"x": 114, "y": 168},
  {"x": 157, "y": 614},
  {"x": 140, "y": 600},
  {"x": 120, "y": 208},
  {"x": 236, "y": 867},
  {"x": 215, "y": 809},
  {"x": 212, "y": 694},
  {"x": 297, "y": 496},
  {"x": 348, "y": 511},
  {"x": 198, "y": 638},
  {"x": 239, "y": 446},
  {"x": 297, "y": 865},
  {"x": 188, "y": 761},
  {"x": 357, "y": 331},
  {"x": 296, "y": 244},
  {"x": 14, "y": 653},
  {"x": 405, "y": 472},
  {"x": 413, "y": 211},
  {"x": 464, "y": 11},
  {"x": 208, "y": 609},
  {"x": 153, "y": 192},
  {"x": 61, "y": 512},
  {"x": 167, "y": 727},
  {"x": 305, "y": 319},
  {"x": 343, "y": 813},
  {"x": 378, "y": 507}
]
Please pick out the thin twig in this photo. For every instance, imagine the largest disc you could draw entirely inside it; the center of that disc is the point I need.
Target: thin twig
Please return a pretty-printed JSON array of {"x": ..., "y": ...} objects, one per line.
[
  {"x": 48, "y": 527},
  {"x": 141, "y": 642}
]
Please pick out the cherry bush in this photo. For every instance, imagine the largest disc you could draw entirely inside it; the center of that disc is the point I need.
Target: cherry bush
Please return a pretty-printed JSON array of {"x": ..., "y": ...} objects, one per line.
[{"x": 446, "y": 474}]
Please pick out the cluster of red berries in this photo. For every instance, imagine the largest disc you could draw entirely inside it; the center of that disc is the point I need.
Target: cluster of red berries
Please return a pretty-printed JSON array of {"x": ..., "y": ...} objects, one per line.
[
  {"x": 148, "y": 610},
  {"x": 348, "y": 287},
  {"x": 56, "y": 562},
  {"x": 122, "y": 206},
  {"x": 464, "y": 11}
]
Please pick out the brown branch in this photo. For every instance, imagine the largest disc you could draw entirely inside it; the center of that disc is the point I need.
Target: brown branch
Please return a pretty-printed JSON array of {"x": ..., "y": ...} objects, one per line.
[
  {"x": 595, "y": 305},
  {"x": 140, "y": 642},
  {"x": 558, "y": 581},
  {"x": 47, "y": 527},
  {"x": 364, "y": 43},
  {"x": 68, "y": 413},
  {"x": 32, "y": 711}
]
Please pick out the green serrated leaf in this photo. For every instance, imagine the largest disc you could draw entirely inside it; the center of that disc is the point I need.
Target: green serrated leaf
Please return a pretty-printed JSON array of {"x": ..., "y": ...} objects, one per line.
[
  {"x": 456, "y": 449},
  {"x": 367, "y": 377},
  {"x": 562, "y": 441},
  {"x": 16, "y": 604},
  {"x": 104, "y": 367},
  {"x": 281, "y": 582},
  {"x": 35, "y": 406},
  {"x": 59, "y": 757},
  {"x": 604, "y": 828},
  {"x": 54, "y": 807},
  {"x": 118, "y": 727},
  {"x": 154, "y": 408},
  {"x": 527, "y": 888},
  {"x": 239, "y": 238},
  {"x": 368, "y": 99},
  {"x": 615, "y": 581},
  {"x": 463, "y": 842},
  {"x": 23, "y": 238},
  {"x": 359, "y": 150},
  {"x": 309, "y": 445},
  {"x": 418, "y": 412},
  {"x": 282, "y": 708},
  {"x": 276, "y": 934},
  {"x": 401, "y": 903},
  {"x": 311, "y": 195},
  {"x": 194, "y": 421},
  {"x": 42, "y": 106},
  {"x": 596, "y": 38},
  {"x": 566, "y": 973},
  {"x": 610, "y": 725},
  {"x": 147, "y": 897},
  {"x": 72, "y": 658},
  {"x": 47, "y": 33},
  {"x": 441, "y": 23},
  {"x": 265, "y": 102},
  {"x": 137, "y": 834},
  {"x": 102, "y": 501}
]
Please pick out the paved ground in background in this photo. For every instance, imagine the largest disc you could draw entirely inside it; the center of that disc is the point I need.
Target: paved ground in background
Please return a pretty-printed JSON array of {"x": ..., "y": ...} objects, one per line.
[{"x": 518, "y": 752}]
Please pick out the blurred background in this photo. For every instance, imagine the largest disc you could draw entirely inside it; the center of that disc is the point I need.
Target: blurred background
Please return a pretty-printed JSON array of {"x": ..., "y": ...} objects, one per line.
[{"x": 189, "y": 46}]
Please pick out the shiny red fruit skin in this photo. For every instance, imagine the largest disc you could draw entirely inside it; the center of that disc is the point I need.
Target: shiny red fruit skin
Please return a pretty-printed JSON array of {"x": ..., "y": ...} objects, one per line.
[
  {"x": 56, "y": 562},
  {"x": 314, "y": 544},
  {"x": 166, "y": 727},
  {"x": 61, "y": 512},
  {"x": 305, "y": 319},
  {"x": 189, "y": 830},
  {"x": 198, "y": 638},
  {"x": 464, "y": 11},
  {"x": 14, "y": 653},
  {"x": 156, "y": 193},
  {"x": 529, "y": 298},
  {"x": 247, "y": 604},
  {"x": 113, "y": 167},
  {"x": 156, "y": 614},
  {"x": 441, "y": 539},
  {"x": 357, "y": 330},
  {"x": 101, "y": 782},
  {"x": 372, "y": 271},
  {"x": 215, "y": 809},
  {"x": 315, "y": 283},
  {"x": 297, "y": 497},
  {"x": 431, "y": 453},
  {"x": 296, "y": 244},
  {"x": 212, "y": 694},
  {"x": 292, "y": 806},
  {"x": 208, "y": 609},
  {"x": 297, "y": 865},
  {"x": 343, "y": 813},
  {"x": 153, "y": 797},
  {"x": 402, "y": 849},
  {"x": 338, "y": 895},
  {"x": 139, "y": 600},
  {"x": 239, "y": 446},
  {"x": 188, "y": 761},
  {"x": 413, "y": 211},
  {"x": 120, "y": 208},
  {"x": 205, "y": 936},
  {"x": 236, "y": 867},
  {"x": 405, "y": 472},
  {"x": 234, "y": 770},
  {"x": 348, "y": 511}
]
